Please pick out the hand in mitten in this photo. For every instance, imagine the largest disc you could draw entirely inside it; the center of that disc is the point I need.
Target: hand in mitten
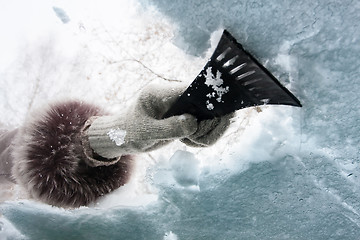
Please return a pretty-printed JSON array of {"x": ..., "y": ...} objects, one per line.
[
  {"x": 209, "y": 131},
  {"x": 142, "y": 128}
]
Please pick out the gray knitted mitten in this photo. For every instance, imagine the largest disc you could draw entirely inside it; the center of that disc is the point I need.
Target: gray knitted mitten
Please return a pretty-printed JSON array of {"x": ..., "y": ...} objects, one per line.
[
  {"x": 142, "y": 128},
  {"x": 209, "y": 131}
]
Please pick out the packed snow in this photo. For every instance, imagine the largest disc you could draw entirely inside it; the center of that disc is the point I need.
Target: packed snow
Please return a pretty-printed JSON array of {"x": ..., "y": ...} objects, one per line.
[{"x": 278, "y": 173}]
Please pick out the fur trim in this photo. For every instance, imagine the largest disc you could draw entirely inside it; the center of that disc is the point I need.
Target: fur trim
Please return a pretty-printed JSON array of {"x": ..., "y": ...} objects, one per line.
[{"x": 50, "y": 160}]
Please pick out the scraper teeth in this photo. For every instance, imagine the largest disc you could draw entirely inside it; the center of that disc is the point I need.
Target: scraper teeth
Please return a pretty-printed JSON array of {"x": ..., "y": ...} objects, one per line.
[
  {"x": 241, "y": 76},
  {"x": 230, "y": 62},
  {"x": 222, "y": 55},
  {"x": 252, "y": 89},
  {"x": 251, "y": 81},
  {"x": 234, "y": 70}
]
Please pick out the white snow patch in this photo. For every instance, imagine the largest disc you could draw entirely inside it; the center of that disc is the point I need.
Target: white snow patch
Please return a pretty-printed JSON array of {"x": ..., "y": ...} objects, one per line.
[
  {"x": 215, "y": 83},
  {"x": 286, "y": 61},
  {"x": 210, "y": 95},
  {"x": 133, "y": 194},
  {"x": 117, "y": 135},
  {"x": 209, "y": 105},
  {"x": 138, "y": 192},
  {"x": 185, "y": 168},
  {"x": 182, "y": 117},
  {"x": 8, "y": 231},
  {"x": 214, "y": 41},
  {"x": 170, "y": 236}
]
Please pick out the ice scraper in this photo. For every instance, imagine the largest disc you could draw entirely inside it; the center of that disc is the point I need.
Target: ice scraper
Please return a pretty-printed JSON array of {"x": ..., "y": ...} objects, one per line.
[{"x": 232, "y": 79}]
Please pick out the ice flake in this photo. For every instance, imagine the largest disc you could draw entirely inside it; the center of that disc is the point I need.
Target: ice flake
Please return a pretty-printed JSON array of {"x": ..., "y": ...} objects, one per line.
[{"x": 117, "y": 135}]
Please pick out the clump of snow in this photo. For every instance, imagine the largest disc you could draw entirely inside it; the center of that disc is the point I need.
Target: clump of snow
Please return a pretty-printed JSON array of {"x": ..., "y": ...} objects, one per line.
[
  {"x": 117, "y": 135},
  {"x": 185, "y": 168},
  {"x": 182, "y": 117},
  {"x": 210, "y": 95},
  {"x": 170, "y": 236},
  {"x": 215, "y": 82},
  {"x": 209, "y": 105},
  {"x": 176, "y": 168},
  {"x": 214, "y": 40}
]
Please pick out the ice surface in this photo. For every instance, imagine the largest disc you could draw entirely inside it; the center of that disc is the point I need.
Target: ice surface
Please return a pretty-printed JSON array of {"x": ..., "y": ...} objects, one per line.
[{"x": 278, "y": 173}]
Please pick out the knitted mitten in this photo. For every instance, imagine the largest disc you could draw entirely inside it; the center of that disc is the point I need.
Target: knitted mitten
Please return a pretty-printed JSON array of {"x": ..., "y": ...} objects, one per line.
[{"x": 143, "y": 129}]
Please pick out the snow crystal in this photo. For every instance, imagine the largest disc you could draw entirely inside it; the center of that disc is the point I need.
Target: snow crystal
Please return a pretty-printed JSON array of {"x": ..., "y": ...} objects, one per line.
[{"x": 117, "y": 136}]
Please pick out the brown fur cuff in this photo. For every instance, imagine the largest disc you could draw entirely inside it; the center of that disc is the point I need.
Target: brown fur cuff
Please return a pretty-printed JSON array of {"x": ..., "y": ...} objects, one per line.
[{"x": 54, "y": 163}]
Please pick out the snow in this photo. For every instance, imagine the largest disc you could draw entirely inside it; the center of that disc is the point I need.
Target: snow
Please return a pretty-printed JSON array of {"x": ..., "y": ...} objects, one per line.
[
  {"x": 209, "y": 105},
  {"x": 117, "y": 136},
  {"x": 8, "y": 231},
  {"x": 170, "y": 236},
  {"x": 185, "y": 168},
  {"x": 182, "y": 117},
  {"x": 215, "y": 83},
  {"x": 277, "y": 173}
]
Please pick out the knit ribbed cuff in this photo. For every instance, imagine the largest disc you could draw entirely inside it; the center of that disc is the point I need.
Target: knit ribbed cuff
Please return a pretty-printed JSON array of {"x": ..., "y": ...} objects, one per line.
[
  {"x": 105, "y": 137},
  {"x": 93, "y": 158}
]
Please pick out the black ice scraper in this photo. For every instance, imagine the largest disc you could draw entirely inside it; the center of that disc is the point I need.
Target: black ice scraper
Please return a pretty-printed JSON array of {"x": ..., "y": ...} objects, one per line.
[{"x": 231, "y": 80}]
